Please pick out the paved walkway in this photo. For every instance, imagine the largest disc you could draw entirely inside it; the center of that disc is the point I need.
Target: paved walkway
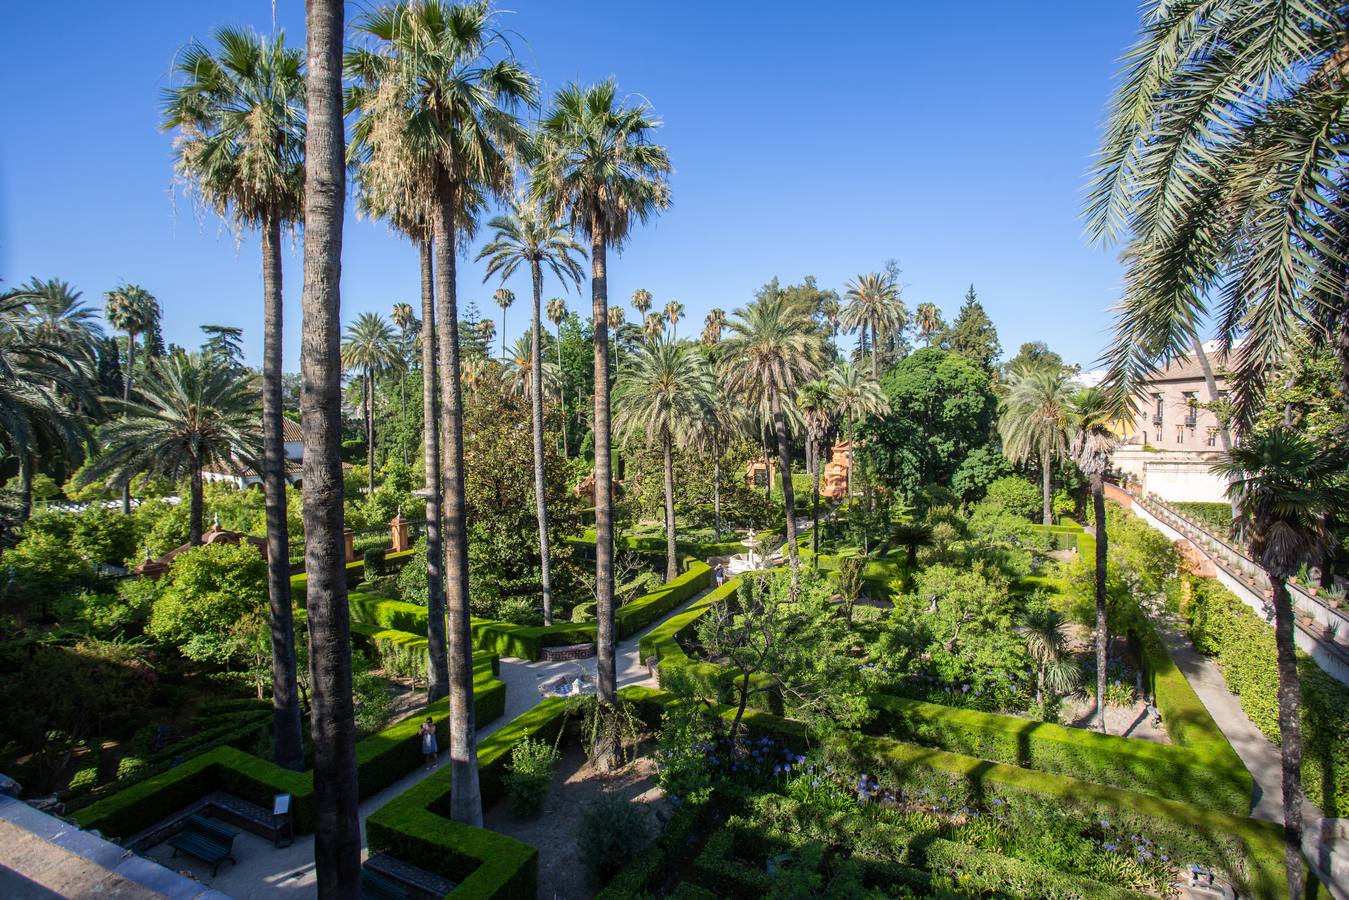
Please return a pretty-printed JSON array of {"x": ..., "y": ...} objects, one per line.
[
  {"x": 1260, "y": 757},
  {"x": 264, "y": 871}
]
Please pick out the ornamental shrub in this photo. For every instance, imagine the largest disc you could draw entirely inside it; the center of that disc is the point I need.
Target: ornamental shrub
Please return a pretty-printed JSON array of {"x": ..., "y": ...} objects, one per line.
[
  {"x": 1016, "y": 495},
  {"x": 373, "y": 560},
  {"x": 530, "y": 774},
  {"x": 611, "y": 831}
]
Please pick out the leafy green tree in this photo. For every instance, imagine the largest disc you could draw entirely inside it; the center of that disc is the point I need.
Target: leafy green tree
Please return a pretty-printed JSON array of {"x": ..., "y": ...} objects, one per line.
[
  {"x": 598, "y": 169},
  {"x": 777, "y": 634},
  {"x": 1033, "y": 355},
  {"x": 773, "y": 348},
  {"x": 663, "y": 397},
  {"x": 977, "y": 471},
  {"x": 1033, "y": 422},
  {"x": 941, "y": 407},
  {"x": 193, "y": 413},
  {"x": 973, "y": 334},
  {"x": 527, "y": 237},
  {"x": 1014, "y": 494},
  {"x": 212, "y": 608},
  {"x": 1284, "y": 487}
]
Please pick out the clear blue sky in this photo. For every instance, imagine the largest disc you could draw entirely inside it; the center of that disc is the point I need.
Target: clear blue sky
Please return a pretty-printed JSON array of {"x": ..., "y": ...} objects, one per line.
[{"x": 807, "y": 138}]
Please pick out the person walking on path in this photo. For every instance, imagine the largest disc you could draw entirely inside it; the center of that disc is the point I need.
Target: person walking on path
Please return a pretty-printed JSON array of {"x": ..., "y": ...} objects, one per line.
[{"x": 430, "y": 749}]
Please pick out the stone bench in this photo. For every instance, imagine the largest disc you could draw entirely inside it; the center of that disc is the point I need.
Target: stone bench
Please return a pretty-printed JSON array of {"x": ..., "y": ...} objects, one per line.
[
  {"x": 226, "y": 807},
  {"x": 419, "y": 883}
]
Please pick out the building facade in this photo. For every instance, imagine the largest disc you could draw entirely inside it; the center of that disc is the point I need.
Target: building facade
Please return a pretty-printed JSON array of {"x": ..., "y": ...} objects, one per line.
[{"x": 1175, "y": 437}]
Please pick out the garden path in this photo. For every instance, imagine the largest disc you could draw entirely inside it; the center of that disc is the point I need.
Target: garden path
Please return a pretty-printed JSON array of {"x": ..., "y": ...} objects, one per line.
[
  {"x": 1260, "y": 757},
  {"x": 264, "y": 871}
]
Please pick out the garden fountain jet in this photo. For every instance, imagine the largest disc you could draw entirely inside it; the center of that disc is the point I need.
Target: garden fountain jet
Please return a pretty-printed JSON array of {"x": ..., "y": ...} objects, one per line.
[{"x": 750, "y": 561}]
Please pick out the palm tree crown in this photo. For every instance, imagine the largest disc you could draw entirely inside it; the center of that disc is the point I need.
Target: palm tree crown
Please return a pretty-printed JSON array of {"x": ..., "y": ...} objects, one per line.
[
  {"x": 1034, "y": 419},
  {"x": 664, "y": 391},
  {"x": 369, "y": 344},
  {"x": 527, "y": 236},
  {"x": 194, "y": 412},
  {"x": 239, "y": 114},
  {"x": 58, "y": 316},
  {"x": 641, "y": 301},
  {"x": 874, "y": 305}
]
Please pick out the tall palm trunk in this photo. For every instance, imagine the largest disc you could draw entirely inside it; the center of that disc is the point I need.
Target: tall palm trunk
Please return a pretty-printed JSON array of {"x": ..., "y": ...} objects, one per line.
[
  {"x": 561, "y": 391},
  {"x": 370, "y": 431},
  {"x": 466, "y": 796},
  {"x": 1290, "y": 730},
  {"x": 875, "y": 349},
  {"x": 126, "y": 398},
  {"x": 1102, "y": 633},
  {"x": 815, "y": 509},
  {"x": 337, "y": 834},
  {"x": 438, "y": 674},
  {"x": 287, "y": 748},
  {"x": 606, "y": 755},
  {"x": 671, "y": 547},
  {"x": 1045, "y": 461},
  {"x": 540, "y": 488},
  {"x": 196, "y": 505},
  {"x": 785, "y": 467},
  {"x": 716, "y": 491},
  {"x": 403, "y": 414}
]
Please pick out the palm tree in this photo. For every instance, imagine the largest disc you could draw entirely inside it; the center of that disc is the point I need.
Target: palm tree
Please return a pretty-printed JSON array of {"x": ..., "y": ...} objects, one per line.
[
  {"x": 927, "y": 320},
  {"x": 457, "y": 89},
  {"x": 723, "y": 417},
  {"x": 774, "y": 346},
  {"x": 1223, "y": 187},
  {"x": 59, "y": 317},
  {"x": 1284, "y": 488},
  {"x": 504, "y": 298},
  {"x": 517, "y": 371},
  {"x": 405, "y": 320},
  {"x": 557, "y": 312},
  {"x": 674, "y": 310},
  {"x": 1090, "y": 416},
  {"x": 716, "y": 320},
  {"x": 663, "y": 396},
  {"x": 132, "y": 309},
  {"x": 615, "y": 327},
  {"x": 1033, "y": 421},
  {"x": 369, "y": 346},
  {"x": 653, "y": 326},
  {"x": 337, "y": 833},
  {"x": 1046, "y": 637},
  {"x": 42, "y": 383},
  {"x": 195, "y": 412},
  {"x": 487, "y": 330},
  {"x": 239, "y": 114},
  {"x": 830, "y": 311},
  {"x": 641, "y": 301},
  {"x": 527, "y": 236},
  {"x": 819, "y": 406},
  {"x": 874, "y": 304},
  {"x": 598, "y": 169}
]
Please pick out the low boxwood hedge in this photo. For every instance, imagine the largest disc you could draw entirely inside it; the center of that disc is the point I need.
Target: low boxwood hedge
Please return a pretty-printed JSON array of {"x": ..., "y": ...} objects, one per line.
[
  {"x": 299, "y": 583},
  {"x": 1162, "y": 770},
  {"x": 415, "y": 826},
  {"x": 381, "y": 760}
]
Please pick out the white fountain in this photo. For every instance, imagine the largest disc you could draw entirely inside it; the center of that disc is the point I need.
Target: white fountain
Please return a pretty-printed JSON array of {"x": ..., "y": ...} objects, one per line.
[
  {"x": 564, "y": 685},
  {"x": 751, "y": 560}
]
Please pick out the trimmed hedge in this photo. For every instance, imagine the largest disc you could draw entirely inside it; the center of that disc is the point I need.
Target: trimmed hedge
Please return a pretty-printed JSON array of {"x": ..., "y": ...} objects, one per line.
[
  {"x": 1224, "y": 627},
  {"x": 526, "y": 641},
  {"x": 1159, "y": 769},
  {"x": 415, "y": 826},
  {"x": 381, "y": 760},
  {"x": 299, "y": 583}
]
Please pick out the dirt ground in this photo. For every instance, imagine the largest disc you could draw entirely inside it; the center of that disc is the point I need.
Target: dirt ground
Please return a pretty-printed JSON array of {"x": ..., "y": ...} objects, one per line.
[{"x": 553, "y": 830}]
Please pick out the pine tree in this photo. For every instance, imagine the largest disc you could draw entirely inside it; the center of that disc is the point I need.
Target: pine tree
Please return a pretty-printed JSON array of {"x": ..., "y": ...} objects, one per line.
[{"x": 973, "y": 334}]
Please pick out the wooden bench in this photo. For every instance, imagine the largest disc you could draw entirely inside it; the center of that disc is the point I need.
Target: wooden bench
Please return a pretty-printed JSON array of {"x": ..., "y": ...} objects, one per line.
[
  {"x": 377, "y": 887},
  {"x": 208, "y": 841}
]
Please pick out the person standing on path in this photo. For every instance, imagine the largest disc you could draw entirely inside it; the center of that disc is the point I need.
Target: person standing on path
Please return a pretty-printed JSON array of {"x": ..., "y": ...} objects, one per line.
[{"x": 430, "y": 749}]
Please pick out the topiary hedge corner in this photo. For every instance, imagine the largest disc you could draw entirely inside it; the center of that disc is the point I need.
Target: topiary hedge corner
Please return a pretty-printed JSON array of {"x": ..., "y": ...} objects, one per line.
[{"x": 381, "y": 760}]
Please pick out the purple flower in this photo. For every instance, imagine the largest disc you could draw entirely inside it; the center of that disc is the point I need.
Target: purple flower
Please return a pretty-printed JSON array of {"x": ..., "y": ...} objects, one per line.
[{"x": 1111, "y": 848}]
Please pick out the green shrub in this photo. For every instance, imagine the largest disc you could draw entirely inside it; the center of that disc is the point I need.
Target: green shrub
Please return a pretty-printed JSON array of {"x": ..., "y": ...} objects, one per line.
[
  {"x": 530, "y": 774},
  {"x": 1222, "y": 626},
  {"x": 1157, "y": 769},
  {"x": 1017, "y": 496},
  {"x": 373, "y": 560},
  {"x": 610, "y": 832}
]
